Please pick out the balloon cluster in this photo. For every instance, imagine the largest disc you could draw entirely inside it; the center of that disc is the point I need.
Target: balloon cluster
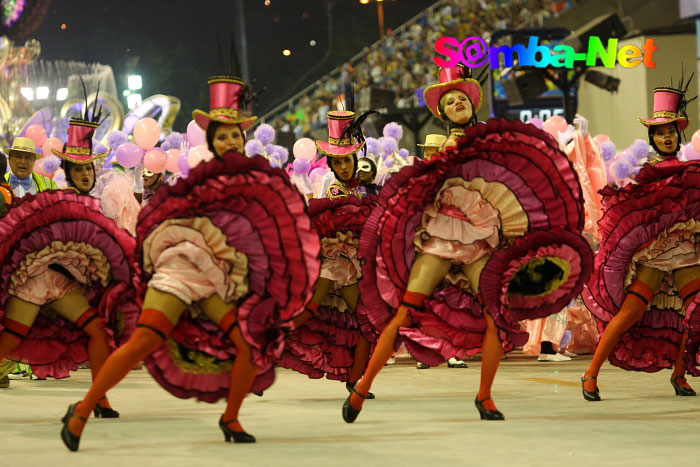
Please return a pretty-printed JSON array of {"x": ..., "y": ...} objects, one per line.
[
  {"x": 261, "y": 145},
  {"x": 691, "y": 151},
  {"x": 620, "y": 166},
  {"x": 48, "y": 164},
  {"x": 385, "y": 150},
  {"x": 177, "y": 153},
  {"x": 557, "y": 126}
]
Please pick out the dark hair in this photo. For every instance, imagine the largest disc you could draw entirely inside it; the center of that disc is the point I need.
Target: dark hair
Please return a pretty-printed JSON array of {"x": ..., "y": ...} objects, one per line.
[
  {"x": 354, "y": 170},
  {"x": 211, "y": 131},
  {"x": 374, "y": 169},
  {"x": 66, "y": 166},
  {"x": 652, "y": 129},
  {"x": 450, "y": 124},
  {"x": 3, "y": 165}
]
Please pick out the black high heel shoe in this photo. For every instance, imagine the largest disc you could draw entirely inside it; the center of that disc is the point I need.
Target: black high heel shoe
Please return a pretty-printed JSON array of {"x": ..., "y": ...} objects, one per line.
[
  {"x": 69, "y": 439},
  {"x": 681, "y": 390},
  {"x": 589, "y": 395},
  {"x": 238, "y": 436},
  {"x": 485, "y": 413},
  {"x": 105, "y": 412},
  {"x": 351, "y": 387},
  {"x": 350, "y": 413}
]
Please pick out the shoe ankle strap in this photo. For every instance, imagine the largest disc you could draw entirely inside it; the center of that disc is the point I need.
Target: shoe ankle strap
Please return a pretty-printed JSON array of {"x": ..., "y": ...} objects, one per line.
[
  {"x": 355, "y": 391},
  {"x": 585, "y": 378}
]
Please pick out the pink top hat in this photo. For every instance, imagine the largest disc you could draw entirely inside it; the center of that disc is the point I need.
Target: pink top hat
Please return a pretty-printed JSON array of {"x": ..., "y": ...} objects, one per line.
[
  {"x": 78, "y": 149},
  {"x": 666, "y": 102},
  {"x": 338, "y": 122},
  {"x": 225, "y": 99},
  {"x": 452, "y": 78}
]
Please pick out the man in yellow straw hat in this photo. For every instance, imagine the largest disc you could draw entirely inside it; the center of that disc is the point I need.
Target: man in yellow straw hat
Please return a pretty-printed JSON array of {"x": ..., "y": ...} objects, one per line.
[
  {"x": 23, "y": 180},
  {"x": 21, "y": 176},
  {"x": 432, "y": 145}
]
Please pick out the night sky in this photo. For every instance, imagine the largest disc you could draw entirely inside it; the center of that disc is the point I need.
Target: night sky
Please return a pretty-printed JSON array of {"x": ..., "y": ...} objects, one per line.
[{"x": 172, "y": 44}]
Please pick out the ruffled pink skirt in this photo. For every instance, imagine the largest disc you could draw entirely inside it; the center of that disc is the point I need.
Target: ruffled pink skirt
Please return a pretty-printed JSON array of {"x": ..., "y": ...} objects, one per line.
[{"x": 461, "y": 225}]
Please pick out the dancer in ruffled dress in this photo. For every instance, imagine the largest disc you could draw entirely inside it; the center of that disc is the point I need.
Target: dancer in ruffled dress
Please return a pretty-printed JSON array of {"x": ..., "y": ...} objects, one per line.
[
  {"x": 229, "y": 259},
  {"x": 67, "y": 275},
  {"x": 330, "y": 338},
  {"x": 647, "y": 270},
  {"x": 485, "y": 234}
]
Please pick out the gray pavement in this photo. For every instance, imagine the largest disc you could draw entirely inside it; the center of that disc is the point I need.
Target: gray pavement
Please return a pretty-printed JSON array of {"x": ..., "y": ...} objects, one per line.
[{"x": 420, "y": 417}]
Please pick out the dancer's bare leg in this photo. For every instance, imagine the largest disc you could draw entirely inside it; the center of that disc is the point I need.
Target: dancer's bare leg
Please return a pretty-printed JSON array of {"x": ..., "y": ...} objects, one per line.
[{"x": 323, "y": 287}]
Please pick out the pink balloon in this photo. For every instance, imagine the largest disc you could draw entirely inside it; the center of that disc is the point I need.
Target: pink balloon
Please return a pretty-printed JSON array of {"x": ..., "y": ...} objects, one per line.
[
  {"x": 51, "y": 143},
  {"x": 551, "y": 128},
  {"x": 304, "y": 148},
  {"x": 128, "y": 155},
  {"x": 690, "y": 153},
  {"x": 39, "y": 169},
  {"x": 195, "y": 135},
  {"x": 536, "y": 121},
  {"x": 171, "y": 163},
  {"x": 600, "y": 137},
  {"x": 155, "y": 160},
  {"x": 695, "y": 141},
  {"x": 146, "y": 133},
  {"x": 198, "y": 154},
  {"x": 37, "y": 134},
  {"x": 559, "y": 122}
]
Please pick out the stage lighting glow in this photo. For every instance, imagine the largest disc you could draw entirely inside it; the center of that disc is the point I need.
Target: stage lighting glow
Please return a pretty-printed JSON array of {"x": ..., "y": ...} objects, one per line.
[
  {"x": 133, "y": 101},
  {"x": 28, "y": 93},
  {"x": 134, "y": 81},
  {"x": 42, "y": 92},
  {"x": 312, "y": 43},
  {"x": 61, "y": 94},
  {"x": 286, "y": 52}
]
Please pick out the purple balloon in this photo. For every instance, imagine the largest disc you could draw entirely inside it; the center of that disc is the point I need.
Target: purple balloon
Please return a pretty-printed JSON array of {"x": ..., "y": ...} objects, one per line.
[
  {"x": 640, "y": 149},
  {"x": 627, "y": 156},
  {"x": 318, "y": 171},
  {"x": 129, "y": 155},
  {"x": 608, "y": 149},
  {"x": 302, "y": 166},
  {"x": 389, "y": 163},
  {"x": 537, "y": 122},
  {"x": 182, "y": 164}
]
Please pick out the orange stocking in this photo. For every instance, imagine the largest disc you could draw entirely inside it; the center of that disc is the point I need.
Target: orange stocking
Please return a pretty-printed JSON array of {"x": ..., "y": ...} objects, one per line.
[
  {"x": 98, "y": 345},
  {"x": 638, "y": 297},
  {"x": 491, "y": 352},
  {"x": 152, "y": 330},
  {"x": 688, "y": 293},
  {"x": 12, "y": 336},
  {"x": 386, "y": 345},
  {"x": 360, "y": 361},
  {"x": 242, "y": 374}
]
